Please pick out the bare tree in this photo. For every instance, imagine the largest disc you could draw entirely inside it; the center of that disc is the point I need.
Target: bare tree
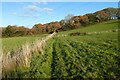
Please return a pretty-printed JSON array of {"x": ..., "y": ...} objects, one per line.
[{"x": 68, "y": 18}]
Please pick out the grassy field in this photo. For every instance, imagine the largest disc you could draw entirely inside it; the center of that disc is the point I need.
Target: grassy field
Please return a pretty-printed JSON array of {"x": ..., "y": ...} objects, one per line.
[
  {"x": 15, "y": 42},
  {"x": 103, "y": 26},
  {"x": 87, "y": 56}
]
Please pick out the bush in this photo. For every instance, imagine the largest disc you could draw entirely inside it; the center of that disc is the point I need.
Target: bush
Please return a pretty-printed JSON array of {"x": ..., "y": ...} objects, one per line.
[{"x": 78, "y": 34}]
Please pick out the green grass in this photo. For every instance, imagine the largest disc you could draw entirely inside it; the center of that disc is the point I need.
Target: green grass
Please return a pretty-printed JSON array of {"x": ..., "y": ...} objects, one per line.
[
  {"x": 109, "y": 25},
  {"x": 88, "y": 56},
  {"x": 15, "y": 42}
]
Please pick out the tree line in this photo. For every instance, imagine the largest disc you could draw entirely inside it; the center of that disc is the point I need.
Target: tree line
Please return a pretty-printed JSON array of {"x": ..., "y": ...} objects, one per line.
[{"x": 68, "y": 23}]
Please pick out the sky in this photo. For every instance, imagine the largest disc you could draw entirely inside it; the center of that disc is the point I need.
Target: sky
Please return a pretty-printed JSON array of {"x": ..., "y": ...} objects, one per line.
[{"x": 29, "y": 13}]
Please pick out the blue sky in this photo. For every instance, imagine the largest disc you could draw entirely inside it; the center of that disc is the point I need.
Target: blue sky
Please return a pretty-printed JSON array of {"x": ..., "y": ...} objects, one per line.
[{"x": 30, "y": 13}]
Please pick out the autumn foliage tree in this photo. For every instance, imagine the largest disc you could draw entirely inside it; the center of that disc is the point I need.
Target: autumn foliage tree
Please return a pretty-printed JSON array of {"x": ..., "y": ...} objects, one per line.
[
  {"x": 69, "y": 22},
  {"x": 39, "y": 28},
  {"x": 92, "y": 18},
  {"x": 11, "y": 31},
  {"x": 112, "y": 12},
  {"x": 102, "y": 15}
]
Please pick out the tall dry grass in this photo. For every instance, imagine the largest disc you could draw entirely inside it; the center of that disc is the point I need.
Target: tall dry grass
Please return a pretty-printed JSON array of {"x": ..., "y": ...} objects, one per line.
[{"x": 22, "y": 56}]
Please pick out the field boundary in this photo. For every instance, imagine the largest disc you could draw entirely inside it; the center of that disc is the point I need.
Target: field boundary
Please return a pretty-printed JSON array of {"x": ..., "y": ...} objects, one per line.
[
  {"x": 87, "y": 33},
  {"x": 22, "y": 56}
]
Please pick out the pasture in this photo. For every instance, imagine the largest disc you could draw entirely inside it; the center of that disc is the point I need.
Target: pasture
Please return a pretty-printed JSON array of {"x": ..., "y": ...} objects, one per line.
[
  {"x": 16, "y": 42},
  {"x": 87, "y": 56}
]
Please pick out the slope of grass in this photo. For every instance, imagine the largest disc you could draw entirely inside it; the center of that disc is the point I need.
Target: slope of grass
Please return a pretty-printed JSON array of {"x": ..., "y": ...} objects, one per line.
[
  {"x": 93, "y": 56},
  {"x": 79, "y": 57},
  {"x": 15, "y": 42},
  {"x": 103, "y": 26}
]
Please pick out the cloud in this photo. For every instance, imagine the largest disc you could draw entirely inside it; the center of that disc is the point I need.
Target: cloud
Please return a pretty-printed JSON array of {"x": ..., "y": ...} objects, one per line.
[
  {"x": 26, "y": 15},
  {"x": 37, "y": 3},
  {"x": 48, "y": 10},
  {"x": 33, "y": 11},
  {"x": 36, "y": 8},
  {"x": 32, "y": 8},
  {"x": 41, "y": 2},
  {"x": 14, "y": 13},
  {"x": 30, "y": 15}
]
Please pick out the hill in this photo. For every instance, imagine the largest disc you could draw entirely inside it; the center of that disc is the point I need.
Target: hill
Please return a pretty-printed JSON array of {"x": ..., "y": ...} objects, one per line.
[
  {"x": 70, "y": 22},
  {"x": 88, "y": 56}
]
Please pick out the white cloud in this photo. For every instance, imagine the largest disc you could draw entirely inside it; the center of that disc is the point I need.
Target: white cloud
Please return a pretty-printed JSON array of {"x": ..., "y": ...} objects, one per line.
[
  {"x": 35, "y": 3},
  {"x": 32, "y": 8},
  {"x": 33, "y": 11},
  {"x": 26, "y": 15},
  {"x": 30, "y": 15},
  {"x": 38, "y": 3},
  {"x": 48, "y": 10},
  {"x": 14, "y": 13},
  {"x": 41, "y": 2},
  {"x": 45, "y": 2}
]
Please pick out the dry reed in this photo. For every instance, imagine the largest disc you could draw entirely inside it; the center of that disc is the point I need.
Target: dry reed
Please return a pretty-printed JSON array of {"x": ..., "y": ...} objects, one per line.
[{"x": 22, "y": 56}]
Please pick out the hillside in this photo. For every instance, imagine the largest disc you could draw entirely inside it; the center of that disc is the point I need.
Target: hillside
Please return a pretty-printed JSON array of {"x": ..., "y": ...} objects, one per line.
[
  {"x": 13, "y": 43},
  {"x": 68, "y": 23},
  {"x": 93, "y": 55}
]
